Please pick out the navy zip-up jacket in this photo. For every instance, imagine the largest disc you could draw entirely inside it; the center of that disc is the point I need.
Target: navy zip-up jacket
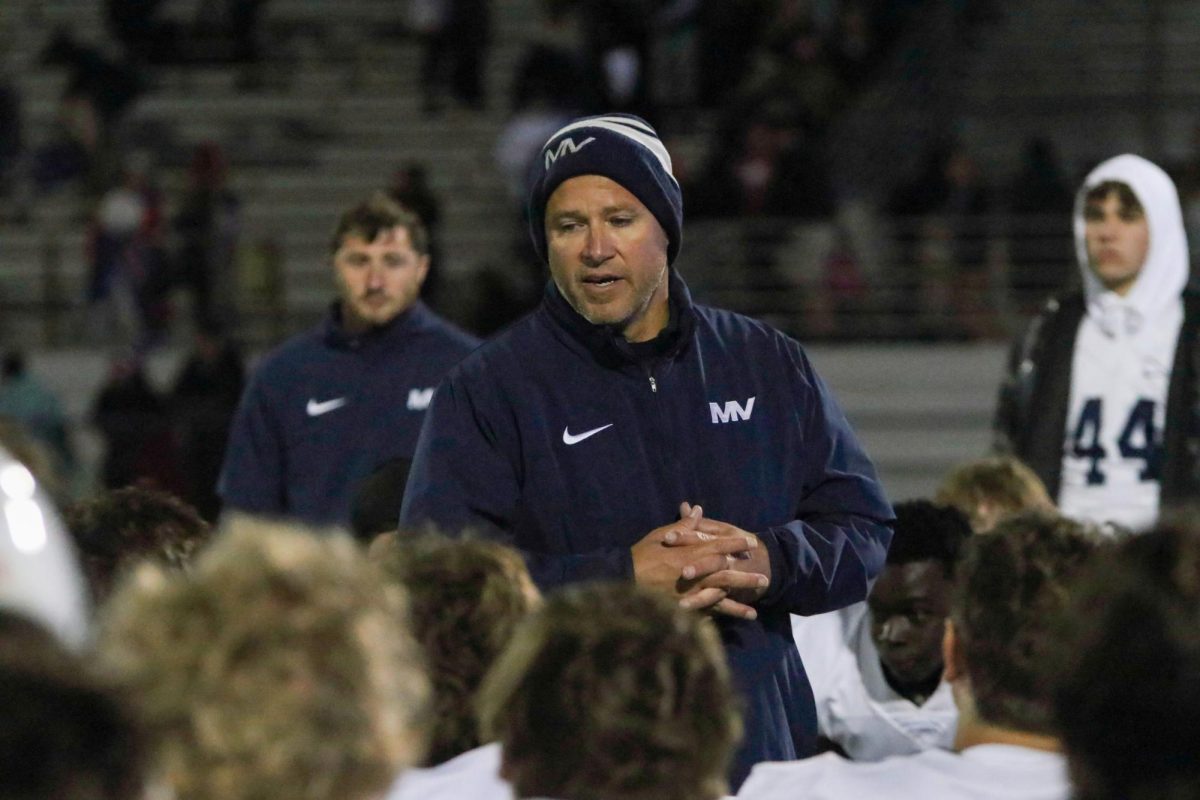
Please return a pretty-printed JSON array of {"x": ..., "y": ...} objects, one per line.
[
  {"x": 324, "y": 409},
  {"x": 556, "y": 439}
]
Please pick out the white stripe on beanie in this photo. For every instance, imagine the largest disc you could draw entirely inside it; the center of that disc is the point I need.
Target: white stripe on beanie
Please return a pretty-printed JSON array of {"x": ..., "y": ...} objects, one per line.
[{"x": 630, "y": 129}]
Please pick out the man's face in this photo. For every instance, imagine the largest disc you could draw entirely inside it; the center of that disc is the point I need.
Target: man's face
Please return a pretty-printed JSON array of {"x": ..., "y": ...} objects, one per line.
[
  {"x": 608, "y": 256},
  {"x": 1117, "y": 241},
  {"x": 909, "y": 605},
  {"x": 379, "y": 279}
]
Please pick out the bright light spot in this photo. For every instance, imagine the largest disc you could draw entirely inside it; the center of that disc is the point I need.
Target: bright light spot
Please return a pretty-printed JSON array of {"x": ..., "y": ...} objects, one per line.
[
  {"x": 26, "y": 525},
  {"x": 17, "y": 482}
]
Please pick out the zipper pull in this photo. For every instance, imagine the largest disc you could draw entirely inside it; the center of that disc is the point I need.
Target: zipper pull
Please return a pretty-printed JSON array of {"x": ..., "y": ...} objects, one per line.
[{"x": 653, "y": 384}]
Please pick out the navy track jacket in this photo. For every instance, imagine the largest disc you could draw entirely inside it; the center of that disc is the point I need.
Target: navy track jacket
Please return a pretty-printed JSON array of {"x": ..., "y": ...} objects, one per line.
[
  {"x": 324, "y": 409},
  {"x": 556, "y": 439}
]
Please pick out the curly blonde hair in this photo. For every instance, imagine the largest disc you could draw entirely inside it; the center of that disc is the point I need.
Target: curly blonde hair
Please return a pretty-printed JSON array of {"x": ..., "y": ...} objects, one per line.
[
  {"x": 279, "y": 667},
  {"x": 991, "y": 488}
]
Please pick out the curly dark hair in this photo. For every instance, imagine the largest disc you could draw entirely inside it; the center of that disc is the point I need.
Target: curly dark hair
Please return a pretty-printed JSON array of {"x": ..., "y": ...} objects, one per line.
[
  {"x": 612, "y": 691},
  {"x": 119, "y": 528},
  {"x": 1127, "y": 688},
  {"x": 1011, "y": 584},
  {"x": 466, "y": 598},
  {"x": 925, "y": 531}
]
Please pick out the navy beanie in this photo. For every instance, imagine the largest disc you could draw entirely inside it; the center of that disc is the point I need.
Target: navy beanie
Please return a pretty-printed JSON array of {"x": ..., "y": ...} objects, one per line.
[{"x": 621, "y": 147}]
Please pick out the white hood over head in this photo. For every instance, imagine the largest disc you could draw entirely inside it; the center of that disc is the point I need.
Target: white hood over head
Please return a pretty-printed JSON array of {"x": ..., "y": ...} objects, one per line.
[{"x": 1165, "y": 271}]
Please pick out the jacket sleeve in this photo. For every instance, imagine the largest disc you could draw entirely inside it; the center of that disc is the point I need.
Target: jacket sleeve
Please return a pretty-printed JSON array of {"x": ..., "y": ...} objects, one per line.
[
  {"x": 465, "y": 479},
  {"x": 252, "y": 477},
  {"x": 1007, "y": 421},
  {"x": 830, "y": 553}
]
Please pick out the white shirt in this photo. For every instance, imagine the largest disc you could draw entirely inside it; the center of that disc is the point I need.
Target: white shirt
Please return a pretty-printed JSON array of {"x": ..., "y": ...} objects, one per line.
[
  {"x": 856, "y": 707},
  {"x": 474, "y": 775},
  {"x": 983, "y": 772}
]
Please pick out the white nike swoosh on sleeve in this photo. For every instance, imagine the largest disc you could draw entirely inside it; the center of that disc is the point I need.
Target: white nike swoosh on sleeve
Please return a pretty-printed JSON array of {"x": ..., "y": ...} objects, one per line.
[
  {"x": 568, "y": 438},
  {"x": 316, "y": 409}
]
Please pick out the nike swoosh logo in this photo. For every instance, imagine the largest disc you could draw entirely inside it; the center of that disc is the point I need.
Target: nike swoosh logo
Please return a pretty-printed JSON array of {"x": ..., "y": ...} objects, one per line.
[
  {"x": 579, "y": 437},
  {"x": 316, "y": 409}
]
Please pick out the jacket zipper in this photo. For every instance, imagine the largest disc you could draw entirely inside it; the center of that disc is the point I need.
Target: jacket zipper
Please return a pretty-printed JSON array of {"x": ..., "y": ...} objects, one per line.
[{"x": 653, "y": 384}]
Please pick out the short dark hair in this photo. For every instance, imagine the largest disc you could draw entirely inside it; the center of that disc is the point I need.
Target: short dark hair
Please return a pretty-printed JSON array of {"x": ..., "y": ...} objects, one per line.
[
  {"x": 613, "y": 691},
  {"x": 116, "y": 529},
  {"x": 1124, "y": 192},
  {"x": 64, "y": 734},
  {"x": 466, "y": 597},
  {"x": 1127, "y": 694},
  {"x": 376, "y": 214},
  {"x": 1010, "y": 584},
  {"x": 925, "y": 531}
]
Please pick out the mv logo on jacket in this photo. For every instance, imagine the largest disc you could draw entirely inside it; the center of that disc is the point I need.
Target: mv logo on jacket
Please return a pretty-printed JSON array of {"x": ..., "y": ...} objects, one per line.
[
  {"x": 732, "y": 412},
  {"x": 418, "y": 399},
  {"x": 565, "y": 146}
]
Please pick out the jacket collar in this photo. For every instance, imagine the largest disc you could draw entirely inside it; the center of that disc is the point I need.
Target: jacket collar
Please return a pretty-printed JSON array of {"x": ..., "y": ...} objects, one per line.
[
  {"x": 415, "y": 318},
  {"x": 607, "y": 346}
]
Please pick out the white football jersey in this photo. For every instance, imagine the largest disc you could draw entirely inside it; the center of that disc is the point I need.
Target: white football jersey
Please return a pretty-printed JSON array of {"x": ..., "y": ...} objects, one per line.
[
  {"x": 1121, "y": 368},
  {"x": 983, "y": 772},
  {"x": 474, "y": 775},
  {"x": 856, "y": 707}
]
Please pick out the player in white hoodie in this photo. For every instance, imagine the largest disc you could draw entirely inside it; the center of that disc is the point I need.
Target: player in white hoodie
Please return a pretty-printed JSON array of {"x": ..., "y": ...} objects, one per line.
[{"x": 1101, "y": 394}]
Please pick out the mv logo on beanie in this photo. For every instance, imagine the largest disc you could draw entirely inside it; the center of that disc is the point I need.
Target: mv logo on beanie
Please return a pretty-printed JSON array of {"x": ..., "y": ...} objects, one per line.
[{"x": 565, "y": 146}]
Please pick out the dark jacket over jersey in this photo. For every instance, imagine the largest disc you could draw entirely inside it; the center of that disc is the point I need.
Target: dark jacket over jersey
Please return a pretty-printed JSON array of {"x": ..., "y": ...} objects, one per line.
[
  {"x": 1031, "y": 414},
  {"x": 558, "y": 439},
  {"x": 325, "y": 409}
]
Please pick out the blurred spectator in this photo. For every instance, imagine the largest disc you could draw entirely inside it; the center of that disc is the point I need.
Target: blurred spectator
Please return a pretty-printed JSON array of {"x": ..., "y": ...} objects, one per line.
[
  {"x": 135, "y": 25},
  {"x": 116, "y": 530},
  {"x": 221, "y": 31},
  {"x": 29, "y": 403},
  {"x": 550, "y": 73},
  {"x": 942, "y": 234},
  {"x": 98, "y": 92},
  {"x": 616, "y": 41},
  {"x": 854, "y": 50},
  {"x": 410, "y": 188},
  {"x": 64, "y": 734},
  {"x": 674, "y": 39},
  {"x": 129, "y": 283},
  {"x": 204, "y": 398},
  {"x": 279, "y": 668},
  {"x": 794, "y": 67},
  {"x": 1040, "y": 242},
  {"x": 456, "y": 34},
  {"x": 11, "y": 144},
  {"x": 728, "y": 37},
  {"x": 139, "y": 445},
  {"x": 208, "y": 224}
]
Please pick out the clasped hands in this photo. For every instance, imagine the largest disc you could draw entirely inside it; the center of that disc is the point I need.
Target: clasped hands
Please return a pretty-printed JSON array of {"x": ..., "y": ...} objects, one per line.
[{"x": 709, "y": 565}]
